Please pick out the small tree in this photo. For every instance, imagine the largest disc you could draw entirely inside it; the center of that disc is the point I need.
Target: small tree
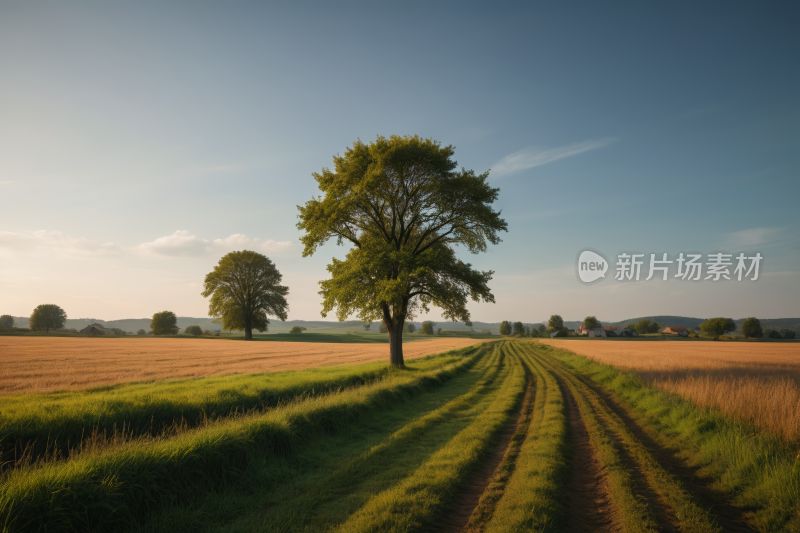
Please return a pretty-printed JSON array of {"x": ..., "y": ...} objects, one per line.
[
  {"x": 555, "y": 323},
  {"x": 194, "y": 331},
  {"x": 297, "y": 330},
  {"x": 164, "y": 323},
  {"x": 717, "y": 326},
  {"x": 774, "y": 334},
  {"x": 244, "y": 288},
  {"x": 787, "y": 333},
  {"x": 751, "y": 328},
  {"x": 367, "y": 326},
  {"x": 6, "y": 322},
  {"x": 382, "y": 328},
  {"x": 591, "y": 322},
  {"x": 427, "y": 328},
  {"x": 410, "y": 327},
  {"x": 141, "y": 332},
  {"x": 505, "y": 327},
  {"x": 46, "y": 317},
  {"x": 542, "y": 329},
  {"x": 519, "y": 329}
]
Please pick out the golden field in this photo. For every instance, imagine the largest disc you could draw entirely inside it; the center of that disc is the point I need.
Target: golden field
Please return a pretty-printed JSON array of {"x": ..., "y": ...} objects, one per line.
[
  {"x": 42, "y": 364},
  {"x": 758, "y": 383}
]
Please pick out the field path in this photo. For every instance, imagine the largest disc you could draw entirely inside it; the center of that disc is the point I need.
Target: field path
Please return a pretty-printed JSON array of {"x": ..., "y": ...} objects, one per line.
[
  {"x": 43, "y": 364},
  {"x": 624, "y": 480}
]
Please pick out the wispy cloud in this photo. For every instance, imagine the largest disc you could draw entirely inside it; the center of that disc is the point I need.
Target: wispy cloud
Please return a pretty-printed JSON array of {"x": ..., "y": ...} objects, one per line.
[
  {"x": 753, "y": 236},
  {"x": 535, "y": 156},
  {"x": 183, "y": 244},
  {"x": 55, "y": 241}
]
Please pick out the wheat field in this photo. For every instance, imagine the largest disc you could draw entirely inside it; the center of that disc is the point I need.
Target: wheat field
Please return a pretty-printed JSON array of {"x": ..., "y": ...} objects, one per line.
[
  {"x": 758, "y": 383},
  {"x": 43, "y": 364}
]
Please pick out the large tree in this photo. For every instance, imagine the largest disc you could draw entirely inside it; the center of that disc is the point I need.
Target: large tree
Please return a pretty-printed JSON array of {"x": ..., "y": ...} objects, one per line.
[
  {"x": 244, "y": 288},
  {"x": 6, "y": 321},
  {"x": 403, "y": 206},
  {"x": 751, "y": 327},
  {"x": 47, "y": 317},
  {"x": 718, "y": 326}
]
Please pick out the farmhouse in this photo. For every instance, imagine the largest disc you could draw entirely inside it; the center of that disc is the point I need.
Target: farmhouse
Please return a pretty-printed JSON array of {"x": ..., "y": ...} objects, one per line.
[
  {"x": 592, "y": 332},
  {"x": 94, "y": 329},
  {"x": 676, "y": 331}
]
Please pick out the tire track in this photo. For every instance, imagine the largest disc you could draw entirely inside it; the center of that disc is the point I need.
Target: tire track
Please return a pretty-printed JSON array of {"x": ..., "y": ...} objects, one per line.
[{"x": 654, "y": 473}]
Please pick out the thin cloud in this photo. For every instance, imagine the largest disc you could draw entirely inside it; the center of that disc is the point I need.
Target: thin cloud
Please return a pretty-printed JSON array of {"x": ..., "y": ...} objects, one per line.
[
  {"x": 5, "y": 183},
  {"x": 54, "y": 241},
  {"x": 753, "y": 236},
  {"x": 535, "y": 156},
  {"x": 182, "y": 243}
]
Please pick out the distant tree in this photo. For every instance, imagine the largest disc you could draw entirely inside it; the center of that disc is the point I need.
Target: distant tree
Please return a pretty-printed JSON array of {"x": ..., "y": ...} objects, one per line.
[
  {"x": 542, "y": 329},
  {"x": 244, "y": 288},
  {"x": 505, "y": 328},
  {"x": 297, "y": 330},
  {"x": 774, "y": 334},
  {"x": 195, "y": 331},
  {"x": 46, "y": 317},
  {"x": 118, "y": 331},
  {"x": 486, "y": 331},
  {"x": 642, "y": 327},
  {"x": 591, "y": 322},
  {"x": 409, "y": 327},
  {"x": 751, "y": 327},
  {"x": 555, "y": 323},
  {"x": 164, "y": 323},
  {"x": 438, "y": 331},
  {"x": 534, "y": 332},
  {"x": 655, "y": 327},
  {"x": 787, "y": 333},
  {"x": 427, "y": 328},
  {"x": 141, "y": 332},
  {"x": 717, "y": 326},
  {"x": 6, "y": 322},
  {"x": 519, "y": 329},
  {"x": 382, "y": 328},
  {"x": 367, "y": 326}
]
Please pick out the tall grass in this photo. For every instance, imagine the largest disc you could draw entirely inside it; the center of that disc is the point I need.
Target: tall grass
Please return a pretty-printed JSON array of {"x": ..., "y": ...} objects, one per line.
[
  {"x": 759, "y": 469},
  {"x": 53, "y": 425},
  {"x": 105, "y": 491}
]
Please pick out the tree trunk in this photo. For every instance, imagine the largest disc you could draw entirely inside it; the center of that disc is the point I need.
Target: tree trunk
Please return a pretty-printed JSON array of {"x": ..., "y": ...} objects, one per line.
[
  {"x": 396, "y": 346},
  {"x": 248, "y": 333}
]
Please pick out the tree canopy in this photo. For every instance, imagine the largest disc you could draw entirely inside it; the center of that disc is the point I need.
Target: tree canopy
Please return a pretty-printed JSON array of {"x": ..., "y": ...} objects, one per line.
[
  {"x": 427, "y": 328},
  {"x": 751, "y": 327},
  {"x": 718, "y": 326},
  {"x": 591, "y": 322},
  {"x": 410, "y": 328},
  {"x": 555, "y": 323},
  {"x": 164, "y": 323},
  {"x": 6, "y": 321},
  {"x": 402, "y": 205},
  {"x": 505, "y": 328},
  {"x": 297, "y": 330},
  {"x": 194, "y": 331},
  {"x": 519, "y": 329},
  {"x": 46, "y": 317},
  {"x": 244, "y": 289}
]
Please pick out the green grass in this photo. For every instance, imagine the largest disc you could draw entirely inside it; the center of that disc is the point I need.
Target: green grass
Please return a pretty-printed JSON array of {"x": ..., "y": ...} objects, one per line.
[
  {"x": 118, "y": 486},
  {"x": 44, "y": 423},
  {"x": 760, "y": 471}
]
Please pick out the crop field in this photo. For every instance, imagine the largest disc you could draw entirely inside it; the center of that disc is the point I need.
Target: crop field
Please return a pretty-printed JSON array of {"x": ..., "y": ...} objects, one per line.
[
  {"x": 42, "y": 364},
  {"x": 501, "y": 436},
  {"x": 757, "y": 383}
]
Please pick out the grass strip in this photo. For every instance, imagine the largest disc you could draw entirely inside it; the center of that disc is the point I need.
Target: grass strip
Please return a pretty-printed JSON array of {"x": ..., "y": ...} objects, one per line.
[
  {"x": 105, "y": 491},
  {"x": 533, "y": 499},
  {"x": 417, "y": 499},
  {"x": 332, "y": 498},
  {"x": 34, "y": 426},
  {"x": 635, "y": 516},
  {"x": 759, "y": 470}
]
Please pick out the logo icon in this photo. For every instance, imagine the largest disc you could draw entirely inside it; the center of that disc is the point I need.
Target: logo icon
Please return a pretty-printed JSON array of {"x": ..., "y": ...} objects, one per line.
[{"x": 591, "y": 266}]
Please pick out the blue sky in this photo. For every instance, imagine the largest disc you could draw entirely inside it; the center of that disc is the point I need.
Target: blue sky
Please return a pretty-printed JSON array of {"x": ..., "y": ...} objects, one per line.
[{"x": 140, "y": 141}]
